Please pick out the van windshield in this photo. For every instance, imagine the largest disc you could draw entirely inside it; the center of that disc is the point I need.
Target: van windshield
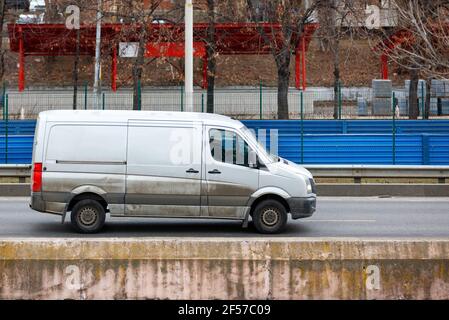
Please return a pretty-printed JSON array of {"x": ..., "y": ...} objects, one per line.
[{"x": 260, "y": 147}]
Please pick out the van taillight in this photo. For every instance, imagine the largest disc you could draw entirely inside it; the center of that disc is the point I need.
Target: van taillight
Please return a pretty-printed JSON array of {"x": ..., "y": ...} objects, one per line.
[{"x": 37, "y": 177}]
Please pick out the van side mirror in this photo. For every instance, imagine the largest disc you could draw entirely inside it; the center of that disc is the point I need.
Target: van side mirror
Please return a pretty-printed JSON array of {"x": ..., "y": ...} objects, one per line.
[{"x": 253, "y": 161}]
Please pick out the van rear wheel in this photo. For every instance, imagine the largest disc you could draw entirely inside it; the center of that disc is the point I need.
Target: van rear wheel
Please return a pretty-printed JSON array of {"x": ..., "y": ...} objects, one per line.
[
  {"x": 270, "y": 217},
  {"x": 88, "y": 216}
]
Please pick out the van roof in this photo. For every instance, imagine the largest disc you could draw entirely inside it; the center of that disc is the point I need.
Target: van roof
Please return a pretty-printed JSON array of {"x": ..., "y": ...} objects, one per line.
[{"x": 125, "y": 115}]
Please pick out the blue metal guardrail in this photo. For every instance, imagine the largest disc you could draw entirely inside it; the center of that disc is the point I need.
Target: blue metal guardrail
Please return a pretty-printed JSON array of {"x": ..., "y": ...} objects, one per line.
[
  {"x": 419, "y": 142},
  {"x": 410, "y": 149},
  {"x": 18, "y": 127},
  {"x": 428, "y": 147},
  {"x": 19, "y": 149}
]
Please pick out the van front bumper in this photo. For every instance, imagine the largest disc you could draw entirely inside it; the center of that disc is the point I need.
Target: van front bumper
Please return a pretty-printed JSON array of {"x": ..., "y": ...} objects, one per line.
[{"x": 302, "y": 207}]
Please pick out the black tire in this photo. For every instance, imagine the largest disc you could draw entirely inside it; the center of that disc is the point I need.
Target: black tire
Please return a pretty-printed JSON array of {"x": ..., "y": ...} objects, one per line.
[
  {"x": 88, "y": 216},
  {"x": 270, "y": 217}
]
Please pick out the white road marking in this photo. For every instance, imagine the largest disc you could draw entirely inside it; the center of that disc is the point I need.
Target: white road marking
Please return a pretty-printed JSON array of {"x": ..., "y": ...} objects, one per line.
[
  {"x": 14, "y": 199},
  {"x": 339, "y": 220},
  {"x": 380, "y": 199}
]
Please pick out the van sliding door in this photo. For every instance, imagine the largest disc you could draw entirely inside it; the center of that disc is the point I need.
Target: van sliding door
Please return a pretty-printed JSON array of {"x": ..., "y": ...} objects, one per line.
[{"x": 163, "y": 169}]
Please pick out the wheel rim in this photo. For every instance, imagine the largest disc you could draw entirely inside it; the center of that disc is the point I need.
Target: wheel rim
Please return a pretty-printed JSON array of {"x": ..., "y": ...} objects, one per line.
[
  {"x": 87, "y": 216},
  {"x": 270, "y": 217}
]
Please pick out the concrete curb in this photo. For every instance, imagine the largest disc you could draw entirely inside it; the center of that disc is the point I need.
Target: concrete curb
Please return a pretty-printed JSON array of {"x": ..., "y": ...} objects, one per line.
[
  {"x": 340, "y": 190},
  {"x": 216, "y": 268}
]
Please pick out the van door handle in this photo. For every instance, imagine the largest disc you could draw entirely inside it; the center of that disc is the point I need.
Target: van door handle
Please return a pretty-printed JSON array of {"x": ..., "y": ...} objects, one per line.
[
  {"x": 215, "y": 172},
  {"x": 192, "y": 171}
]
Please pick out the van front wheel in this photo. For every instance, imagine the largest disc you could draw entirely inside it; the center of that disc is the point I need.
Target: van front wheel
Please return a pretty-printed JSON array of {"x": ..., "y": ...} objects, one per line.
[
  {"x": 88, "y": 216},
  {"x": 270, "y": 217}
]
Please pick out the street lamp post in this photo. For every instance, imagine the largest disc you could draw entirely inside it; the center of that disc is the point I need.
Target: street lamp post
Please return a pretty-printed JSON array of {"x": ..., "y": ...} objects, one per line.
[
  {"x": 97, "y": 89},
  {"x": 189, "y": 55}
]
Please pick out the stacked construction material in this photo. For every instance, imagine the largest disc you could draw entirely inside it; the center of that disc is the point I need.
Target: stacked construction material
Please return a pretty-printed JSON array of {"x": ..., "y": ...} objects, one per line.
[
  {"x": 362, "y": 106},
  {"x": 382, "y": 93},
  {"x": 439, "y": 102}
]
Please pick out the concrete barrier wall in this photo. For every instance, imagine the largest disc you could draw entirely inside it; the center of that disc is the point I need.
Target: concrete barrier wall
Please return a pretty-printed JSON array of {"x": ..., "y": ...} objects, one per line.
[{"x": 215, "y": 268}]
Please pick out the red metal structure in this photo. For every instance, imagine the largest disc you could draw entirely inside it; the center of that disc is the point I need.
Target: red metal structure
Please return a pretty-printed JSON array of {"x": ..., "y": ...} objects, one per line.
[
  {"x": 164, "y": 40},
  {"x": 388, "y": 45}
]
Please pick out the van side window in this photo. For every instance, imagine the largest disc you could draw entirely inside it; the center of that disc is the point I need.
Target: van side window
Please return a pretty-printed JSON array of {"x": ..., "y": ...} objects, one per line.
[{"x": 228, "y": 147}]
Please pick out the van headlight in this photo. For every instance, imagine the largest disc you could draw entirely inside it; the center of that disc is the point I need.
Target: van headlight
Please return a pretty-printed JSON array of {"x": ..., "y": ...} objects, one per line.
[{"x": 309, "y": 188}]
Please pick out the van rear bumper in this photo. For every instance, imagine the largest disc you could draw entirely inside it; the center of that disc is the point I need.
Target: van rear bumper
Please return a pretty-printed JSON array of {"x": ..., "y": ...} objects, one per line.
[
  {"x": 36, "y": 202},
  {"x": 302, "y": 207}
]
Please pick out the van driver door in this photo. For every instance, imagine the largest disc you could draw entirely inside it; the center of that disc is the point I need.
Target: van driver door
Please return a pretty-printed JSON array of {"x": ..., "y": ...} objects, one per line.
[{"x": 229, "y": 177}]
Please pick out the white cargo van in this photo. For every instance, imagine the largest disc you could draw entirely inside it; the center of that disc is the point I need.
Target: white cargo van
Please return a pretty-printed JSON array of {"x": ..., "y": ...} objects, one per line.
[{"x": 162, "y": 164}]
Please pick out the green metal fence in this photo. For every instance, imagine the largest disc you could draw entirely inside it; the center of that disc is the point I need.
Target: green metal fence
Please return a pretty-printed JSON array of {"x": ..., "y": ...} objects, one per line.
[{"x": 243, "y": 103}]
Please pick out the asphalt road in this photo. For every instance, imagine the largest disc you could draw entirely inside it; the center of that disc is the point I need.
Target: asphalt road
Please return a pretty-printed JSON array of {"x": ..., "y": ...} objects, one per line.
[{"x": 335, "y": 217}]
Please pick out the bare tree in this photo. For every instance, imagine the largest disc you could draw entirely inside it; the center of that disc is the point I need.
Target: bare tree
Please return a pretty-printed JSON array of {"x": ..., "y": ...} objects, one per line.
[
  {"x": 210, "y": 12},
  {"x": 55, "y": 13},
  {"x": 292, "y": 16},
  {"x": 85, "y": 7},
  {"x": 336, "y": 18},
  {"x": 139, "y": 15},
  {"x": 52, "y": 11},
  {"x": 420, "y": 43},
  {"x": 2, "y": 18},
  {"x": 5, "y": 15},
  {"x": 413, "y": 94},
  {"x": 76, "y": 69},
  {"x": 216, "y": 10},
  {"x": 210, "y": 53}
]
